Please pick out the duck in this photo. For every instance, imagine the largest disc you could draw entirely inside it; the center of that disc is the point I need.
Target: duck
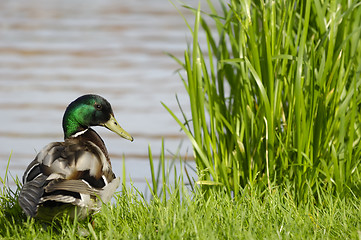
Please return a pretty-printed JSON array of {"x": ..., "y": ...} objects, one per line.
[{"x": 73, "y": 177}]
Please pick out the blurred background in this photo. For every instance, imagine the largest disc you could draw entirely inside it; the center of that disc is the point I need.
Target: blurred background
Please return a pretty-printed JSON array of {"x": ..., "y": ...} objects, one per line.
[{"x": 52, "y": 52}]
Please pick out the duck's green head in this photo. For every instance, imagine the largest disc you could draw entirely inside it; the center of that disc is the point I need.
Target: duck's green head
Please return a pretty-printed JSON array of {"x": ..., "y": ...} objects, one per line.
[{"x": 90, "y": 110}]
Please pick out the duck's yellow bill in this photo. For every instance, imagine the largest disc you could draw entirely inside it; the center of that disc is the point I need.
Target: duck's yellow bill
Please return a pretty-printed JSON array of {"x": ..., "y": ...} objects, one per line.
[{"x": 114, "y": 126}]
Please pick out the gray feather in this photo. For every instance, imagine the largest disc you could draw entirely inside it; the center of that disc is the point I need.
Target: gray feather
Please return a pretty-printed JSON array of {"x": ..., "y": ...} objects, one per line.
[
  {"x": 71, "y": 185},
  {"x": 30, "y": 195}
]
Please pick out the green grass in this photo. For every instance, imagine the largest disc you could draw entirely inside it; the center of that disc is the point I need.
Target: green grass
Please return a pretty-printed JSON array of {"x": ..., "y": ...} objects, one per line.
[
  {"x": 274, "y": 96},
  {"x": 256, "y": 215}
]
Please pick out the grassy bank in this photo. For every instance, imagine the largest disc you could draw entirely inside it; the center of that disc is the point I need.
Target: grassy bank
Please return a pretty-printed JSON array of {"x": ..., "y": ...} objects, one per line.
[{"x": 256, "y": 215}]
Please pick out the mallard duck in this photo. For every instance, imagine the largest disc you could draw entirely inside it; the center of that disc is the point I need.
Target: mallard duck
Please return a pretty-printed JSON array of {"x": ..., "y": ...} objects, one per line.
[{"x": 75, "y": 176}]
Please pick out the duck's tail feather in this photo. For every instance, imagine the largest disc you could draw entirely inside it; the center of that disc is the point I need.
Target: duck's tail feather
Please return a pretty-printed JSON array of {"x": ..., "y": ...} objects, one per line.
[{"x": 31, "y": 193}]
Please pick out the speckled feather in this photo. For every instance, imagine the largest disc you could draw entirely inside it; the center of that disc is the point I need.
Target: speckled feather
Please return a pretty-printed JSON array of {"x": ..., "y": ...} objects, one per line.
[{"x": 79, "y": 165}]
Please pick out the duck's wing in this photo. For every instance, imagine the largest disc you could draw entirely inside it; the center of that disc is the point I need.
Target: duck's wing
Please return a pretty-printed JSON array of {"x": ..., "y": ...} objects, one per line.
[
  {"x": 67, "y": 172},
  {"x": 81, "y": 187}
]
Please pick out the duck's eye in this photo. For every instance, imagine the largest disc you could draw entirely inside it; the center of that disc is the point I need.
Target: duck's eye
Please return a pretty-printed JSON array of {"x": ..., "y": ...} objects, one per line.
[{"x": 98, "y": 106}]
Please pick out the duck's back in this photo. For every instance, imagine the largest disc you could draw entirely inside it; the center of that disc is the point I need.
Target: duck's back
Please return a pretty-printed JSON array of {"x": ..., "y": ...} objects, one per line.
[{"x": 66, "y": 174}]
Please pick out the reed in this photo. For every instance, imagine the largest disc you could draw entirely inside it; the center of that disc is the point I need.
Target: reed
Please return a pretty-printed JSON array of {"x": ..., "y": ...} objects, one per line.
[{"x": 274, "y": 96}]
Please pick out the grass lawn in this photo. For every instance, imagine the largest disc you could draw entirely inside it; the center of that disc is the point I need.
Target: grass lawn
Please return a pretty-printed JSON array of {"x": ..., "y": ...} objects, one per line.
[{"x": 256, "y": 215}]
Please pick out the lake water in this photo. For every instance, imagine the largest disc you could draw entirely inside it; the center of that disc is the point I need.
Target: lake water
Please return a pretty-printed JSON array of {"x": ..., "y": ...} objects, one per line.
[{"x": 51, "y": 52}]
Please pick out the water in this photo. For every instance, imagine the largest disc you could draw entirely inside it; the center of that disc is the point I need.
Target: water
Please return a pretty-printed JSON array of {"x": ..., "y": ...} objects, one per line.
[{"x": 51, "y": 52}]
